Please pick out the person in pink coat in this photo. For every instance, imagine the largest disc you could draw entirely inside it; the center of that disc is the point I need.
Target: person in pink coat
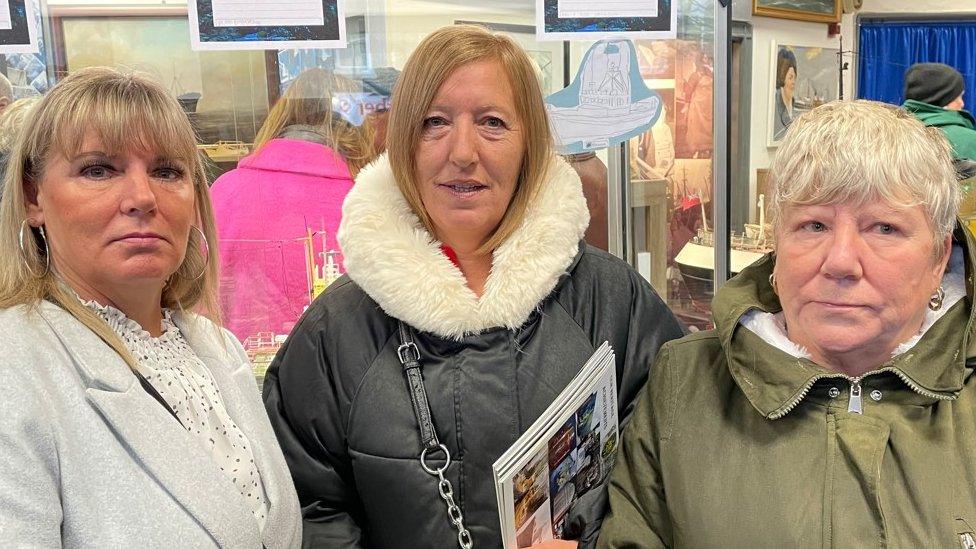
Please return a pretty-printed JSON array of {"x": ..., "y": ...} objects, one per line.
[{"x": 306, "y": 156}]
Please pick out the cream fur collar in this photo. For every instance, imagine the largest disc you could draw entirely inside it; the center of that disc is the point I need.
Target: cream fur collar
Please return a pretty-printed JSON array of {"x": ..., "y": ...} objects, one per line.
[
  {"x": 390, "y": 255},
  {"x": 771, "y": 328}
]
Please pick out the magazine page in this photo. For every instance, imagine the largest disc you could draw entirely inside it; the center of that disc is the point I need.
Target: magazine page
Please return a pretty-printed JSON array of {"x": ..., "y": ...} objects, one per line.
[{"x": 564, "y": 462}]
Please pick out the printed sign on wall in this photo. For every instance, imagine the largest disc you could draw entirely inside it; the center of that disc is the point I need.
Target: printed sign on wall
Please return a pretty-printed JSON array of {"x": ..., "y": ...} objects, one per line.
[
  {"x": 266, "y": 24},
  {"x": 588, "y": 20}
]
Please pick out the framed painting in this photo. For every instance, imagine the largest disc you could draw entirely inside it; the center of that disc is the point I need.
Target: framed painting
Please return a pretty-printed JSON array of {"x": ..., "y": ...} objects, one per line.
[
  {"x": 802, "y": 78},
  {"x": 820, "y": 11}
]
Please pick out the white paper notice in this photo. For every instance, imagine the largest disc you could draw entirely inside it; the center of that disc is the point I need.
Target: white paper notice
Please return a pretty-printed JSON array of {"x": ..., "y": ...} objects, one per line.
[
  {"x": 5, "y": 15},
  {"x": 265, "y": 13},
  {"x": 572, "y": 9}
]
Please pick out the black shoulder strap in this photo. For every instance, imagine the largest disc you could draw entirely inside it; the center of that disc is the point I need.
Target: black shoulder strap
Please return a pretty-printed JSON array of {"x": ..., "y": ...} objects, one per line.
[{"x": 409, "y": 356}]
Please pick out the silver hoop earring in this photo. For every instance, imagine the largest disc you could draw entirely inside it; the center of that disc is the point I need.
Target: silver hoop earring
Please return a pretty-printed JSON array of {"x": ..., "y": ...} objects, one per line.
[
  {"x": 23, "y": 251},
  {"x": 935, "y": 302},
  {"x": 206, "y": 261},
  {"x": 772, "y": 282}
]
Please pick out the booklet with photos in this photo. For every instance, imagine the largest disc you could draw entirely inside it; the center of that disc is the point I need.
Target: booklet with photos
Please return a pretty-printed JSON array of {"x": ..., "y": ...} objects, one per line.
[{"x": 567, "y": 452}]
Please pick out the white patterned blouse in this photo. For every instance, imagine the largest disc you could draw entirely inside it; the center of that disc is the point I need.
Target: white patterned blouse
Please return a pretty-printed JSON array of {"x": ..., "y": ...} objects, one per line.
[{"x": 187, "y": 386}]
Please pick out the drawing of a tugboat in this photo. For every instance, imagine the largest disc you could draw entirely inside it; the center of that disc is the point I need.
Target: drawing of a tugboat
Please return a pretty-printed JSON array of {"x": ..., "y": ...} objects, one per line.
[{"x": 607, "y": 103}]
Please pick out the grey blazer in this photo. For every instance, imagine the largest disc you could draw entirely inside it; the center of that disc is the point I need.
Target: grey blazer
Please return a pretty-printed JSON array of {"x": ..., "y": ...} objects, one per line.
[{"x": 89, "y": 459}]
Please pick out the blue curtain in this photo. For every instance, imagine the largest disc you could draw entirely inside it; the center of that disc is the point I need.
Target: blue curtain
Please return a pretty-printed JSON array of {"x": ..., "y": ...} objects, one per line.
[{"x": 887, "y": 49}]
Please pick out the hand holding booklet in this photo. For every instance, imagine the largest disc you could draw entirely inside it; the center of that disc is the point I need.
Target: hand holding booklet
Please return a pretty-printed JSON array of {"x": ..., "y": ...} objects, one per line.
[{"x": 567, "y": 452}]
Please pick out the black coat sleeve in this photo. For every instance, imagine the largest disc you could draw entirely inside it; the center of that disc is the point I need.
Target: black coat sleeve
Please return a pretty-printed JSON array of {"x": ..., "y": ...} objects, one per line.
[
  {"x": 640, "y": 324},
  {"x": 303, "y": 397}
]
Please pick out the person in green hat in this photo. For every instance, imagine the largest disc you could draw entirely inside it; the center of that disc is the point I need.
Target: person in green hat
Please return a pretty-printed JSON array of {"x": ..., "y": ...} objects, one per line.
[{"x": 933, "y": 93}]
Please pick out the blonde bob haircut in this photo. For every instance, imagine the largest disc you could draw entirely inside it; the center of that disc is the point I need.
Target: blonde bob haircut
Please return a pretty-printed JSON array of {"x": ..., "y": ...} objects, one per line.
[
  {"x": 856, "y": 152},
  {"x": 127, "y": 112},
  {"x": 438, "y": 55},
  {"x": 311, "y": 100}
]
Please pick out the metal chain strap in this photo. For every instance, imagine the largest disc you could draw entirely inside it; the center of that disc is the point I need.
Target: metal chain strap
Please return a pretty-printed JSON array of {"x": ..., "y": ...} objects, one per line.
[
  {"x": 409, "y": 356},
  {"x": 446, "y": 491}
]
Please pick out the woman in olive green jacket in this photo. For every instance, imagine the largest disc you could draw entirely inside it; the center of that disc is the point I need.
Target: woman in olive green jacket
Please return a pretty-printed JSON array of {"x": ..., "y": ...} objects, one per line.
[{"x": 835, "y": 404}]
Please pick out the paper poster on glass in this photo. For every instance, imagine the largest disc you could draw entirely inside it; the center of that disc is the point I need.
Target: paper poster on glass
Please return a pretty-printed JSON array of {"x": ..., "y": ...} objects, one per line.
[
  {"x": 266, "y": 24},
  {"x": 18, "y": 27},
  {"x": 607, "y": 103},
  {"x": 27, "y": 71},
  {"x": 588, "y": 20}
]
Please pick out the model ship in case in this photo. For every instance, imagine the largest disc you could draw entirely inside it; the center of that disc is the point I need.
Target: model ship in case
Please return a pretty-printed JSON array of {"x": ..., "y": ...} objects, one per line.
[
  {"x": 226, "y": 151},
  {"x": 696, "y": 259}
]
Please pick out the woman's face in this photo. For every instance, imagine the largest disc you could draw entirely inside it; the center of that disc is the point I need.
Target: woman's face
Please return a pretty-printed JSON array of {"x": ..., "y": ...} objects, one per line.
[
  {"x": 855, "y": 281},
  {"x": 789, "y": 81},
  {"x": 114, "y": 221},
  {"x": 470, "y": 153}
]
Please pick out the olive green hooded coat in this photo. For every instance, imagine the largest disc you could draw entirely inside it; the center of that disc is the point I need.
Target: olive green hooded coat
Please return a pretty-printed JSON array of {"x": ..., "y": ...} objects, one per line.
[{"x": 737, "y": 443}]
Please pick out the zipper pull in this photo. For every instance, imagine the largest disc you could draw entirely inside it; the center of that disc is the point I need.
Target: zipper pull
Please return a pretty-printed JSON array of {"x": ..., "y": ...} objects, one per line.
[{"x": 854, "y": 404}]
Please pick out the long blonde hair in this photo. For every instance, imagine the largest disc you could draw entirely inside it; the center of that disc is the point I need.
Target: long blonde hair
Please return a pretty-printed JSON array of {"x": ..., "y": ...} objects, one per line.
[
  {"x": 438, "y": 55},
  {"x": 311, "y": 100},
  {"x": 126, "y": 111}
]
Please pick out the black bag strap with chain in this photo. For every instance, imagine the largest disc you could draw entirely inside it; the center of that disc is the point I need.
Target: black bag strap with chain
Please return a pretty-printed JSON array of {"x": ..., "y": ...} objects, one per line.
[{"x": 409, "y": 356}]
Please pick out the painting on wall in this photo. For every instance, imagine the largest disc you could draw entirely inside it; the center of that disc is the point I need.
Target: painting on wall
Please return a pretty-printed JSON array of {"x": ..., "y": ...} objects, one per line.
[
  {"x": 652, "y": 154},
  {"x": 656, "y": 58},
  {"x": 693, "y": 89},
  {"x": 822, "y": 11},
  {"x": 802, "y": 78}
]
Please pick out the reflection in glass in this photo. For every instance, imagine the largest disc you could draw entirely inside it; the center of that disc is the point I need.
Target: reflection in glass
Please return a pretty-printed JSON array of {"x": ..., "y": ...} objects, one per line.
[{"x": 670, "y": 185}]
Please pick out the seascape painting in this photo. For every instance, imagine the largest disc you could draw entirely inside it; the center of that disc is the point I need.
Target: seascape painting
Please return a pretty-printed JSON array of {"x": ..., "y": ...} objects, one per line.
[{"x": 825, "y": 11}]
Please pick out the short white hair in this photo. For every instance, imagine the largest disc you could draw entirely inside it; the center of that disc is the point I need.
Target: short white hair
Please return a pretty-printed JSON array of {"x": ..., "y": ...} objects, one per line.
[{"x": 862, "y": 151}]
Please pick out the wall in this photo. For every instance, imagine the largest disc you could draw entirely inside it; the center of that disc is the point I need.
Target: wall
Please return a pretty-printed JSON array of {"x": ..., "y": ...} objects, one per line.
[{"x": 918, "y": 6}]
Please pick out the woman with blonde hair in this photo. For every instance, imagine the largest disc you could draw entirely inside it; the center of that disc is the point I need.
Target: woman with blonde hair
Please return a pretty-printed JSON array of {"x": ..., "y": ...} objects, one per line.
[
  {"x": 834, "y": 405},
  {"x": 127, "y": 419},
  {"x": 464, "y": 254},
  {"x": 306, "y": 155}
]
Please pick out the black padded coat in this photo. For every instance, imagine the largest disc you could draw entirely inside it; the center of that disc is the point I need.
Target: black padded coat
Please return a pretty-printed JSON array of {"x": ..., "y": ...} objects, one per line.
[{"x": 338, "y": 400}]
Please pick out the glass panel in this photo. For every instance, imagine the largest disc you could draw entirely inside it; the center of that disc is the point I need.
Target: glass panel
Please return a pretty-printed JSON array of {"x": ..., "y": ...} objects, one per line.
[
  {"x": 225, "y": 93},
  {"x": 670, "y": 177},
  {"x": 228, "y": 96}
]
